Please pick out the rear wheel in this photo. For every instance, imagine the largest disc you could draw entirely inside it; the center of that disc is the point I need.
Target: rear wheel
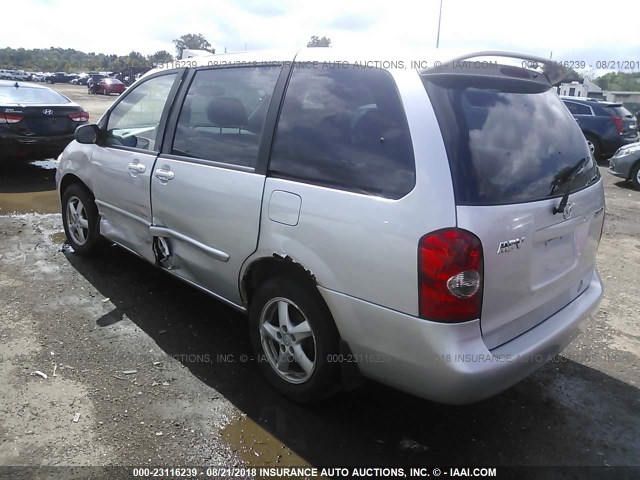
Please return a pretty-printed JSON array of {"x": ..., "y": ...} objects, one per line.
[
  {"x": 635, "y": 176},
  {"x": 295, "y": 340},
  {"x": 80, "y": 220}
]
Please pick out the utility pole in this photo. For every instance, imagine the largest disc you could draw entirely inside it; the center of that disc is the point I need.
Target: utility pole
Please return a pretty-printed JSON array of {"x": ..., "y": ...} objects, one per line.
[{"x": 439, "y": 20}]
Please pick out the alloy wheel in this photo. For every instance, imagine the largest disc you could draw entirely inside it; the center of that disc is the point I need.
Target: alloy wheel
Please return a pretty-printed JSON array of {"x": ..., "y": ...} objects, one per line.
[
  {"x": 288, "y": 340},
  {"x": 77, "y": 220}
]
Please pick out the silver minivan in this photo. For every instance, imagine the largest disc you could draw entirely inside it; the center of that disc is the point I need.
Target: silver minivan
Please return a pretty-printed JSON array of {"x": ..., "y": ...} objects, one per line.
[{"x": 432, "y": 228}]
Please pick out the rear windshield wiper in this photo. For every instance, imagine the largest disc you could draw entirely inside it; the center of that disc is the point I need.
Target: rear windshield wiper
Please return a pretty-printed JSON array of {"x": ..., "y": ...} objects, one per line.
[{"x": 567, "y": 178}]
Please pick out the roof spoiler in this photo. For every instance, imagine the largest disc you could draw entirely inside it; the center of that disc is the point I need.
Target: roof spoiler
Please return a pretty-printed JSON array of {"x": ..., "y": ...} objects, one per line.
[{"x": 557, "y": 73}]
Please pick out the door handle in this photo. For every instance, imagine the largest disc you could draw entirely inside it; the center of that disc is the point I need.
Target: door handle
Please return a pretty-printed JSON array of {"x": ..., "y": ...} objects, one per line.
[
  {"x": 136, "y": 168},
  {"x": 164, "y": 175}
]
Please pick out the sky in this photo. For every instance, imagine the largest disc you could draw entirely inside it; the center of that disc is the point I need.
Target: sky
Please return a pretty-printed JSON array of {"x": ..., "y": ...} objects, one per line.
[{"x": 573, "y": 31}]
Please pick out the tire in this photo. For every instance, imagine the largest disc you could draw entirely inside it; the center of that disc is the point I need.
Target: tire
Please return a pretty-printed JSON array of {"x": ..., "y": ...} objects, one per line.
[
  {"x": 594, "y": 146},
  {"x": 306, "y": 372},
  {"x": 48, "y": 81},
  {"x": 635, "y": 176},
  {"x": 80, "y": 220}
]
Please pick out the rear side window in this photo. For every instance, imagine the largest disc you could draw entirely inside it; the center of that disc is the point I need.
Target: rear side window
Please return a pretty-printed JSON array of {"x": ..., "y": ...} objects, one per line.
[
  {"x": 344, "y": 128},
  {"x": 578, "y": 108},
  {"x": 508, "y": 141},
  {"x": 223, "y": 114}
]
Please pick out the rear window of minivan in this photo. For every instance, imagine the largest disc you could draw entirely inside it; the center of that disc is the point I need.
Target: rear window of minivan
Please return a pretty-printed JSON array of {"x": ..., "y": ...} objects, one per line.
[{"x": 508, "y": 141}]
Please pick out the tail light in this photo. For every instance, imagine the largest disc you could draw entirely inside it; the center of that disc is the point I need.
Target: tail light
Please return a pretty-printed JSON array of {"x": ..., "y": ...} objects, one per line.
[
  {"x": 618, "y": 121},
  {"x": 450, "y": 263},
  {"x": 80, "y": 117},
  {"x": 10, "y": 118}
]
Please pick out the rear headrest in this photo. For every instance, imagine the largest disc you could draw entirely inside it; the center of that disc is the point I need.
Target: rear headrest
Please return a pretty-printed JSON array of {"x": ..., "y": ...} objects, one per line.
[{"x": 227, "y": 112}]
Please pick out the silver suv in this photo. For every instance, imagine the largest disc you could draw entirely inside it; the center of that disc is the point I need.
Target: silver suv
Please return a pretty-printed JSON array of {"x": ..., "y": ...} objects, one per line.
[{"x": 433, "y": 229}]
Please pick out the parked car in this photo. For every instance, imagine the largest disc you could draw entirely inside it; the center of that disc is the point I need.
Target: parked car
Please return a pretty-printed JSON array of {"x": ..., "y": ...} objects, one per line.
[
  {"x": 21, "y": 75},
  {"x": 107, "y": 86},
  {"x": 625, "y": 163},
  {"x": 35, "y": 121},
  {"x": 434, "y": 230},
  {"x": 38, "y": 77},
  {"x": 91, "y": 79},
  {"x": 83, "y": 78},
  {"x": 607, "y": 126},
  {"x": 59, "y": 77}
]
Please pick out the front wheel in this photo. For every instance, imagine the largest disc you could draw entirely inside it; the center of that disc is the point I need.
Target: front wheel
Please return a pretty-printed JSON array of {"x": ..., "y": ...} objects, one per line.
[
  {"x": 80, "y": 220},
  {"x": 635, "y": 176},
  {"x": 294, "y": 339}
]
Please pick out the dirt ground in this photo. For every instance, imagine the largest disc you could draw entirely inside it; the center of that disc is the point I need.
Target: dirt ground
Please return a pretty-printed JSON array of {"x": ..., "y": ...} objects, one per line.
[{"x": 144, "y": 370}]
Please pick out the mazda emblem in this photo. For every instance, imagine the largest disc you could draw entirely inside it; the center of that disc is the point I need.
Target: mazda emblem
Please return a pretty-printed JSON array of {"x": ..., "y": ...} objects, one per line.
[{"x": 47, "y": 111}]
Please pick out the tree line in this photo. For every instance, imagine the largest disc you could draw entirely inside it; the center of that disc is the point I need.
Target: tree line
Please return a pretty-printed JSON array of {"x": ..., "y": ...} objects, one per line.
[
  {"x": 55, "y": 59},
  {"x": 70, "y": 60}
]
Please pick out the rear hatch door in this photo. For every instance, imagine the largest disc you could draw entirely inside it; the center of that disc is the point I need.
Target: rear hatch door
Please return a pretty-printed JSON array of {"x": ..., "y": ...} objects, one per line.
[{"x": 514, "y": 151}]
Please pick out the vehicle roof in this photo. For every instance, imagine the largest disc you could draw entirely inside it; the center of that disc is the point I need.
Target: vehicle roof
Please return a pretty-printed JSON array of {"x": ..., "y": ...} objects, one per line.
[
  {"x": 387, "y": 58},
  {"x": 12, "y": 83},
  {"x": 604, "y": 103}
]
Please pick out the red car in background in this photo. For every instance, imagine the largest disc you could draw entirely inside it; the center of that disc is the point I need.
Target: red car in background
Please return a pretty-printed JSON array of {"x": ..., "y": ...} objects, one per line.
[{"x": 107, "y": 86}]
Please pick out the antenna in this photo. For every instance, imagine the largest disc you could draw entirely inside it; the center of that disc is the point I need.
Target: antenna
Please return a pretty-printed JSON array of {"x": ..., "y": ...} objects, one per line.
[{"x": 439, "y": 20}]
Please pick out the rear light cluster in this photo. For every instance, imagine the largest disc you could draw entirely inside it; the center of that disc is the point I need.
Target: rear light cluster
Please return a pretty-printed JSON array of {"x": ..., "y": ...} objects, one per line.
[
  {"x": 450, "y": 264},
  {"x": 80, "y": 117},
  {"x": 10, "y": 118},
  {"x": 618, "y": 121}
]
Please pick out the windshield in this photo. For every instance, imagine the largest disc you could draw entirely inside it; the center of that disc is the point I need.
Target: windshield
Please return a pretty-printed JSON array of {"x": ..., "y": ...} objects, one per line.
[
  {"x": 30, "y": 95},
  {"x": 507, "y": 141}
]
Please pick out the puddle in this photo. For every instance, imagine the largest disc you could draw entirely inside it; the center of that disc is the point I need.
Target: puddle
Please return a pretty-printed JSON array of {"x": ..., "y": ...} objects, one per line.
[
  {"x": 29, "y": 202},
  {"x": 45, "y": 164},
  {"x": 259, "y": 448},
  {"x": 58, "y": 237}
]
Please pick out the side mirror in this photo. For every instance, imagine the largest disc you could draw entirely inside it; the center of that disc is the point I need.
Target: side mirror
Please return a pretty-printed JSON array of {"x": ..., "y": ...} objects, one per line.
[{"x": 87, "y": 133}]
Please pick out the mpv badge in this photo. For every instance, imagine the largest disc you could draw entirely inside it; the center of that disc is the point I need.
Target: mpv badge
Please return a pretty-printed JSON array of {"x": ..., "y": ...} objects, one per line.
[
  {"x": 566, "y": 213},
  {"x": 509, "y": 245},
  {"x": 47, "y": 111}
]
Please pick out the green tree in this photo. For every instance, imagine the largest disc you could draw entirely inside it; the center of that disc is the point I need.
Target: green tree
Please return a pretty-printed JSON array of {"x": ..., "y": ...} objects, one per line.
[
  {"x": 135, "y": 59},
  {"x": 161, "y": 56},
  {"x": 619, "y": 81},
  {"x": 192, "y": 41},
  {"x": 319, "y": 42}
]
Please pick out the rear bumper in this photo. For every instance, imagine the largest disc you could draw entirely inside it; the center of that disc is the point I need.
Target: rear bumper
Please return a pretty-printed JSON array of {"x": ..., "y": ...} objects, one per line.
[
  {"x": 26, "y": 146},
  {"x": 451, "y": 363}
]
